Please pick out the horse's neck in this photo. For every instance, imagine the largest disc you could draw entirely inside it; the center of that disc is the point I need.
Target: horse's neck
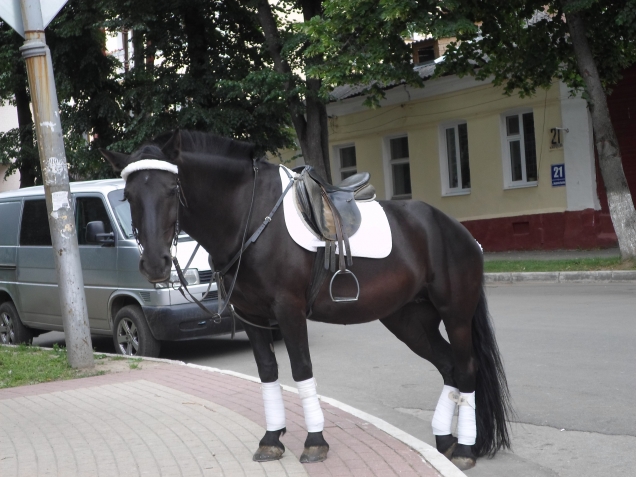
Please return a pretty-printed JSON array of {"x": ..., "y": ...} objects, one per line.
[{"x": 218, "y": 204}]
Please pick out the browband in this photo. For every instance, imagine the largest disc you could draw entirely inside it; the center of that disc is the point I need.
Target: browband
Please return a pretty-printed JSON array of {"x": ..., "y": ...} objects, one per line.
[{"x": 146, "y": 164}]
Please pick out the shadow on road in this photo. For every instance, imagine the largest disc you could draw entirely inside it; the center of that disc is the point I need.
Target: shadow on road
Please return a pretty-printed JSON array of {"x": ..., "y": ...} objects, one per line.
[{"x": 180, "y": 350}]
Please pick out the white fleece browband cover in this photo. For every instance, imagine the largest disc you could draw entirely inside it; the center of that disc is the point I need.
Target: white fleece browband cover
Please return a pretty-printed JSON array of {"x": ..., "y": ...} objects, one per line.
[
  {"x": 146, "y": 164},
  {"x": 274, "y": 406},
  {"x": 443, "y": 417},
  {"x": 314, "y": 419}
]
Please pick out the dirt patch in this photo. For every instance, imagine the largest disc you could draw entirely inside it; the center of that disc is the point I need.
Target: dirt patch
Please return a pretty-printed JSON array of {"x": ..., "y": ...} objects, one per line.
[{"x": 110, "y": 364}]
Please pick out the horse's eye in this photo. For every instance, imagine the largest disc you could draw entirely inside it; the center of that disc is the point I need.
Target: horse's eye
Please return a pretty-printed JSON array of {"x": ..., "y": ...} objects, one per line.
[{"x": 172, "y": 192}]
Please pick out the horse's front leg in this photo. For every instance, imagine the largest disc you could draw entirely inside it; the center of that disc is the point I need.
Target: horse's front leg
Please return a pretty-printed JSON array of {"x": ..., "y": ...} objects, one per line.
[
  {"x": 270, "y": 447},
  {"x": 294, "y": 328}
]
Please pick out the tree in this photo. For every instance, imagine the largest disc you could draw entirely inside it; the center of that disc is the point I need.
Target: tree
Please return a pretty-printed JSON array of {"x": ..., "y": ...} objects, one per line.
[
  {"x": 196, "y": 65},
  {"x": 17, "y": 146},
  {"x": 522, "y": 44},
  {"x": 85, "y": 81},
  {"x": 199, "y": 65}
]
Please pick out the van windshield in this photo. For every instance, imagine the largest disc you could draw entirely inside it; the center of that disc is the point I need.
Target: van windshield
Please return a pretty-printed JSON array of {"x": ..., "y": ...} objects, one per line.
[{"x": 121, "y": 208}]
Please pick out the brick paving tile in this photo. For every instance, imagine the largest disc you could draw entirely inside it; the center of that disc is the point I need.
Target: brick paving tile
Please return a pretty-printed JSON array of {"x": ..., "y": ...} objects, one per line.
[{"x": 178, "y": 420}]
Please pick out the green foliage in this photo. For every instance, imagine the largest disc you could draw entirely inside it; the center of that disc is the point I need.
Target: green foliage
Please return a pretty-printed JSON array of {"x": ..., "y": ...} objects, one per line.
[
  {"x": 198, "y": 65},
  {"x": 362, "y": 41},
  {"x": 572, "y": 265}
]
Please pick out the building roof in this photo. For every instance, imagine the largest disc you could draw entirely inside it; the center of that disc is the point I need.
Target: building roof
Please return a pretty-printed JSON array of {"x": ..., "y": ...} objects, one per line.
[{"x": 425, "y": 71}]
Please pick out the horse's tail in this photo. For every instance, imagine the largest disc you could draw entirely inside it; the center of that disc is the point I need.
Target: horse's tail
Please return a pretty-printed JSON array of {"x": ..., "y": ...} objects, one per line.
[{"x": 492, "y": 397}]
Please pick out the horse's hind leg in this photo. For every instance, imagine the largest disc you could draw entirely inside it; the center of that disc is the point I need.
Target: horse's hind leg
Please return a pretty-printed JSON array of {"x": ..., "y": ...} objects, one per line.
[
  {"x": 417, "y": 325},
  {"x": 457, "y": 317},
  {"x": 270, "y": 447}
]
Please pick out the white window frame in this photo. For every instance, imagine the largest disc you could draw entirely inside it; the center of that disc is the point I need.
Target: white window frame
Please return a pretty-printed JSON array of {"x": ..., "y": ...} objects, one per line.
[
  {"x": 388, "y": 166},
  {"x": 338, "y": 164},
  {"x": 447, "y": 190},
  {"x": 505, "y": 150}
]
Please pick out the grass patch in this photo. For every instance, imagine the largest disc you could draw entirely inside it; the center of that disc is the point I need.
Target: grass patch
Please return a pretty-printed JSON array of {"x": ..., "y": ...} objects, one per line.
[
  {"x": 134, "y": 363},
  {"x": 22, "y": 365},
  {"x": 571, "y": 265}
]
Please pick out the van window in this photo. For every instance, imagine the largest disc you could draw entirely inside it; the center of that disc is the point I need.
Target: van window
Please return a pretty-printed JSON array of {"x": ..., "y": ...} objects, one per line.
[
  {"x": 34, "y": 229},
  {"x": 9, "y": 217},
  {"x": 121, "y": 208},
  {"x": 90, "y": 209}
]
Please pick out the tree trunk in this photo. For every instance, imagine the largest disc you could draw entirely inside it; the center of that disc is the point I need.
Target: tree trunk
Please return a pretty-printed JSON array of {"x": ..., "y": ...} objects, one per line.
[
  {"x": 28, "y": 158},
  {"x": 194, "y": 29},
  {"x": 318, "y": 133},
  {"x": 311, "y": 130},
  {"x": 138, "y": 50},
  {"x": 621, "y": 206}
]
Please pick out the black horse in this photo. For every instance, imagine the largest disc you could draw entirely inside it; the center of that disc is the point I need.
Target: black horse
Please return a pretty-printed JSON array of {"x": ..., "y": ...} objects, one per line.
[{"x": 433, "y": 274}]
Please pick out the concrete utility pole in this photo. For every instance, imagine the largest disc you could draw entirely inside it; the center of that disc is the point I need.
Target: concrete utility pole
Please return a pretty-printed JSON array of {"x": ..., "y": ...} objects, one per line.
[{"x": 56, "y": 187}]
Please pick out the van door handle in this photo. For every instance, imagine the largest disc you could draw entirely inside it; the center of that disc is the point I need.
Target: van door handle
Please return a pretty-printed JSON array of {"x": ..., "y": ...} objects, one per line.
[{"x": 7, "y": 266}]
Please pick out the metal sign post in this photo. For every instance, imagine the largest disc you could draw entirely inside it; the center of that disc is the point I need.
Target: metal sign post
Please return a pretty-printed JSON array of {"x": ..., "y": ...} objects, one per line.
[{"x": 56, "y": 184}]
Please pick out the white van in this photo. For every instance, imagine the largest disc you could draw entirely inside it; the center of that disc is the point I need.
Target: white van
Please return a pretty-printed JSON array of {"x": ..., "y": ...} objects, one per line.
[{"x": 121, "y": 302}]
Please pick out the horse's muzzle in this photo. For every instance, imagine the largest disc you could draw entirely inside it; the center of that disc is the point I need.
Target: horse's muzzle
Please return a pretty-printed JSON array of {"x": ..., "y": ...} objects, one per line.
[{"x": 156, "y": 272}]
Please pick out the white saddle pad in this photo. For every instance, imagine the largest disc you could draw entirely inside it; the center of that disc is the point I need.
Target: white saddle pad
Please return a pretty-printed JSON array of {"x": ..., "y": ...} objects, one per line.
[{"x": 372, "y": 240}]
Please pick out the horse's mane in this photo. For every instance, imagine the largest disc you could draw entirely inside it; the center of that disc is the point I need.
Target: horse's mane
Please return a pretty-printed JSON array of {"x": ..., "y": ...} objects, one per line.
[{"x": 203, "y": 142}]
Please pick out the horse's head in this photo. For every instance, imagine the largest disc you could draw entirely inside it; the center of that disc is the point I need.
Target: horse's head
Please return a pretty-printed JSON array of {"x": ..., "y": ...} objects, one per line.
[{"x": 152, "y": 189}]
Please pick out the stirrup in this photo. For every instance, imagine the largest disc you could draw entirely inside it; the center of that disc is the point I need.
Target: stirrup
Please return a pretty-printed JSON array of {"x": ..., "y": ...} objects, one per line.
[{"x": 341, "y": 299}]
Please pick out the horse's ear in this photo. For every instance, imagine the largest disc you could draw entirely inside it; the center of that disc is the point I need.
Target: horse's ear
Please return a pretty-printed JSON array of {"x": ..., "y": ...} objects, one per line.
[
  {"x": 172, "y": 148},
  {"x": 116, "y": 159}
]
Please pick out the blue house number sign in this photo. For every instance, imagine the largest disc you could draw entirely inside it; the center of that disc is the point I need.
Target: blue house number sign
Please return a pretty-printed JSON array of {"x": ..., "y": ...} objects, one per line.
[{"x": 558, "y": 175}]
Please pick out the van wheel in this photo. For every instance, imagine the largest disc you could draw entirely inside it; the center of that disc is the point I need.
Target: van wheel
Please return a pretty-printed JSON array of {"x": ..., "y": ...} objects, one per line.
[
  {"x": 132, "y": 335},
  {"x": 12, "y": 331}
]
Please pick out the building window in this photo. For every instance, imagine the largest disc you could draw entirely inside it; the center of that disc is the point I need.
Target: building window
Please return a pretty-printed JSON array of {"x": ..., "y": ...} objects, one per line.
[
  {"x": 347, "y": 161},
  {"x": 399, "y": 167},
  {"x": 455, "y": 165},
  {"x": 520, "y": 150}
]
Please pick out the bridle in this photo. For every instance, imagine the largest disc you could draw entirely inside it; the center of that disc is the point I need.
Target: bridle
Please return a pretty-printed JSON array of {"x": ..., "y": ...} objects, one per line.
[{"x": 218, "y": 275}]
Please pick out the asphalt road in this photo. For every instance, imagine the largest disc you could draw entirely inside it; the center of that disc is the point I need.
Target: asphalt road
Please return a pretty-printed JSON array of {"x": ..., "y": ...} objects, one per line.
[{"x": 569, "y": 352}]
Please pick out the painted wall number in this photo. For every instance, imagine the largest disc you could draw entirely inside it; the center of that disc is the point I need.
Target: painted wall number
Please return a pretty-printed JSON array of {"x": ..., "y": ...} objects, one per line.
[
  {"x": 557, "y": 138},
  {"x": 558, "y": 175}
]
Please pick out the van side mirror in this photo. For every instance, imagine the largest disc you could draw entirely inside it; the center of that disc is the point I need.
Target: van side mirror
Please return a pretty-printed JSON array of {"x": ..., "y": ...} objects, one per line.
[{"x": 96, "y": 234}]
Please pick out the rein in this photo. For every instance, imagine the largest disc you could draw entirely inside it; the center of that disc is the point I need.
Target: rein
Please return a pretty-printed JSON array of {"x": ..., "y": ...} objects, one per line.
[{"x": 224, "y": 297}]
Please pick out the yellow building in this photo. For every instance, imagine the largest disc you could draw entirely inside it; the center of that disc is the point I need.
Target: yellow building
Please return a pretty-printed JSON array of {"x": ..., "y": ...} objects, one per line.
[{"x": 519, "y": 173}]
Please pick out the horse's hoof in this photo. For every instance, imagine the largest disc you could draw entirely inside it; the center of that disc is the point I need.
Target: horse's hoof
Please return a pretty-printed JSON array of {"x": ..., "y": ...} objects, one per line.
[
  {"x": 463, "y": 457},
  {"x": 316, "y": 448},
  {"x": 267, "y": 453},
  {"x": 446, "y": 445},
  {"x": 270, "y": 447},
  {"x": 314, "y": 454}
]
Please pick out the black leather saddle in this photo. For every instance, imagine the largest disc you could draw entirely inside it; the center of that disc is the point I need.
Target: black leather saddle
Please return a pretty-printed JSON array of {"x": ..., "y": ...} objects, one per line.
[{"x": 332, "y": 213}]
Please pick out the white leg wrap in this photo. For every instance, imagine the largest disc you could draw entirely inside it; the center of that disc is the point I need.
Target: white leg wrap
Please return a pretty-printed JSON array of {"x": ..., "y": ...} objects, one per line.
[
  {"x": 314, "y": 418},
  {"x": 443, "y": 417},
  {"x": 274, "y": 406},
  {"x": 466, "y": 423}
]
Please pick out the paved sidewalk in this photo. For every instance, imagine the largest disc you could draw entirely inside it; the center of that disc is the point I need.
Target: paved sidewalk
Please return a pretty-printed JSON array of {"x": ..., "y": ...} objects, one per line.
[{"x": 175, "y": 420}]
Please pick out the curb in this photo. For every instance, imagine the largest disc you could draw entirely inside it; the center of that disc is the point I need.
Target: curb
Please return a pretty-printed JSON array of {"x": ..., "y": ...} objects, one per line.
[{"x": 601, "y": 276}]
